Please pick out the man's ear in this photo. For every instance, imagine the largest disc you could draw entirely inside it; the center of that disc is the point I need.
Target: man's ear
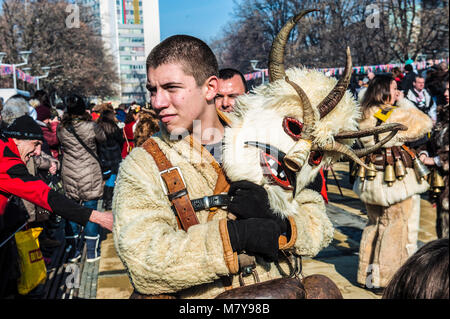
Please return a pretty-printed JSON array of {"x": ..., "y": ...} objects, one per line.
[{"x": 212, "y": 87}]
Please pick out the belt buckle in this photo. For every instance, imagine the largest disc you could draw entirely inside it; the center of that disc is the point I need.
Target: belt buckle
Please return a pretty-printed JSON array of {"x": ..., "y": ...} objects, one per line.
[
  {"x": 163, "y": 183},
  {"x": 206, "y": 202}
]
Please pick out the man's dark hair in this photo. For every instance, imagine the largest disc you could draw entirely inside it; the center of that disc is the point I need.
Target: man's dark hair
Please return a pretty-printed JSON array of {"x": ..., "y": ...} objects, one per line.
[
  {"x": 228, "y": 73},
  {"x": 408, "y": 68},
  {"x": 424, "y": 275},
  {"x": 195, "y": 56},
  {"x": 418, "y": 76}
]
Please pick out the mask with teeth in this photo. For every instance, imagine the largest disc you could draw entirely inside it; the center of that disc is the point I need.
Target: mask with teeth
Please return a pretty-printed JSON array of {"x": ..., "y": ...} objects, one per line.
[{"x": 282, "y": 133}]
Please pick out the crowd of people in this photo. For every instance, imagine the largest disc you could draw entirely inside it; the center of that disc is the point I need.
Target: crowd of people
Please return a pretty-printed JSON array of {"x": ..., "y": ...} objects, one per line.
[
  {"x": 58, "y": 162},
  {"x": 67, "y": 156}
]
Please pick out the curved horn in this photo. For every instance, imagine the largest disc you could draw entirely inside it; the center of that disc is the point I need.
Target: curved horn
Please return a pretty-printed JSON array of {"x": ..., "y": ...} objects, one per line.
[
  {"x": 308, "y": 112},
  {"x": 276, "y": 57},
  {"x": 393, "y": 128},
  {"x": 371, "y": 131},
  {"x": 367, "y": 150},
  {"x": 333, "y": 98},
  {"x": 341, "y": 148}
]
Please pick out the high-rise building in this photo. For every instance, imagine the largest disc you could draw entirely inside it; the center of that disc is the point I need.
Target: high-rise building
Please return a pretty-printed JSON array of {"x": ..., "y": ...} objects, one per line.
[{"x": 130, "y": 30}]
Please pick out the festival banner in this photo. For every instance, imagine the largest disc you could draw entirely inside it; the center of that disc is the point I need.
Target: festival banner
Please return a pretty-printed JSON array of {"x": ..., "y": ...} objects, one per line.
[
  {"x": 357, "y": 69},
  {"x": 8, "y": 70}
]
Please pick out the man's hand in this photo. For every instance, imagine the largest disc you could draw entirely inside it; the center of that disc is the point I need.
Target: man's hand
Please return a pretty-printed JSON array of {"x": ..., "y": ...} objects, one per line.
[
  {"x": 427, "y": 160},
  {"x": 104, "y": 219},
  {"x": 53, "y": 168},
  {"x": 249, "y": 200}
]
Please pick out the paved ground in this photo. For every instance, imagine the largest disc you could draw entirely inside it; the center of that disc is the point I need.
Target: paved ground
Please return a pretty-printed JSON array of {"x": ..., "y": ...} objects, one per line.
[{"x": 339, "y": 261}]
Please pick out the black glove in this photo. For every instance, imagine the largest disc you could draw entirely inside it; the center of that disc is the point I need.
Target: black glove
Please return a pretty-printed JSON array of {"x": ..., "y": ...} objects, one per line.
[
  {"x": 249, "y": 200},
  {"x": 256, "y": 236}
]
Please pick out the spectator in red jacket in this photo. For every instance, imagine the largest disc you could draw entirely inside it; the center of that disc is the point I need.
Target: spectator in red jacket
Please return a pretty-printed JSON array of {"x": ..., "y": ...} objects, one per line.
[{"x": 18, "y": 143}]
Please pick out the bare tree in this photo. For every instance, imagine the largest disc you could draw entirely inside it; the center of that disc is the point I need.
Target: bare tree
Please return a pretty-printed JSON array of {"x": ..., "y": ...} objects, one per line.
[
  {"x": 44, "y": 27},
  {"x": 377, "y": 32}
]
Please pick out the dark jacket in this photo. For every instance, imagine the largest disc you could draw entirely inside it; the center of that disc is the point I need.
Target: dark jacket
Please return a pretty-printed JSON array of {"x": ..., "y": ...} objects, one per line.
[
  {"x": 81, "y": 173},
  {"x": 110, "y": 151}
]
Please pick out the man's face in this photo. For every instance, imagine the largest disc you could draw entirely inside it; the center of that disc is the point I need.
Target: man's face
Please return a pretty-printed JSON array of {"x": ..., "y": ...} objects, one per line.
[
  {"x": 175, "y": 97},
  {"x": 28, "y": 148},
  {"x": 229, "y": 90},
  {"x": 419, "y": 84}
]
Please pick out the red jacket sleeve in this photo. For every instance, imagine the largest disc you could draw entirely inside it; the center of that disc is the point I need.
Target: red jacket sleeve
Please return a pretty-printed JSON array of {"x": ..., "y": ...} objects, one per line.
[{"x": 15, "y": 180}]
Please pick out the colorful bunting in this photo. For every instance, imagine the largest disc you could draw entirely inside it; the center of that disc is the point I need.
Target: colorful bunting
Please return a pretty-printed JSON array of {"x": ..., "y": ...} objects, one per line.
[
  {"x": 357, "y": 69},
  {"x": 8, "y": 69}
]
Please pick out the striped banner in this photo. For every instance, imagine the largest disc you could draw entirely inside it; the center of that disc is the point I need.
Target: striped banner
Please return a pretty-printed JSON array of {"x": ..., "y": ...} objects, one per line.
[
  {"x": 358, "y": 69},
  {"x": 8, "y": 70}
]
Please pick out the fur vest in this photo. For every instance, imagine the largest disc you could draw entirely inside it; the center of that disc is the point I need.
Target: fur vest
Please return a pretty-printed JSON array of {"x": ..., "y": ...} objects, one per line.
[
  {"x": 377, "y": 192},
  {"x": 159, "y": 257}
]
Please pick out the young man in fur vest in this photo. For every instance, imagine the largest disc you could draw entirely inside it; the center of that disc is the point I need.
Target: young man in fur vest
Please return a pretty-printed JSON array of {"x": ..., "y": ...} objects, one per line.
[
  {"x": 278, "y": 140},
  {"x": 160, "y": 257}
]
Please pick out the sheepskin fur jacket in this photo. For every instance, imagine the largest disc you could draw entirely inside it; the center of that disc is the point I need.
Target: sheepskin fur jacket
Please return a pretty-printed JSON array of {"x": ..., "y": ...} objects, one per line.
[
  {"x": 161, "y": 258},
  {"x": 377, "y": 192}
]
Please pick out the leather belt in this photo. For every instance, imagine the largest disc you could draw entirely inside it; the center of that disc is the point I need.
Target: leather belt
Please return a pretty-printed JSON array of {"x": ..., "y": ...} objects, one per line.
[
  {"x": 380, "y": 159},
  {"x": 174, "y": 186},
  {"x": 207, "y": 202},
  {"x": 210, "y": 201}
]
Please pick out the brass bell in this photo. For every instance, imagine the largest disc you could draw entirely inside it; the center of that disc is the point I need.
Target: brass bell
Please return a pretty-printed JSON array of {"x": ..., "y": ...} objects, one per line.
[
  {"x": 361, "y": 173},
  {"x": 400, "y": 170},
  {"x": 420, "y": 169},
  {"x": 437, "y": 181},
  {"x": 370, "y": 174},
  {"x": 389, "y": 175}
]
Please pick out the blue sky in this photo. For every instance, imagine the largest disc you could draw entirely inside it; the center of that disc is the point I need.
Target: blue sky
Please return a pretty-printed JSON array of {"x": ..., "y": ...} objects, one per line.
[{"x": 203, "y": 19}]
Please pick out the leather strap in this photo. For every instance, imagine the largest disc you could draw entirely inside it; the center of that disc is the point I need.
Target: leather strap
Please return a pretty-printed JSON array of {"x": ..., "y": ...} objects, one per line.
[
  {"x": 389, "y": 157},
  {"x": 410, "y": 152},
  {"x": 210, "y": 201},
  {"x": 175, "y": 188},
  {"x": 396, "y": 153}
]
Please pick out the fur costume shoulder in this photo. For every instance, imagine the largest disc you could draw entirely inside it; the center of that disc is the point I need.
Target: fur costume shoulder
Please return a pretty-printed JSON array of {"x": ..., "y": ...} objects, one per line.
[
  {"x": 146, "y": 235},
  {"x": 377, "y": 192},
  {"x": 418, "y": 123}
]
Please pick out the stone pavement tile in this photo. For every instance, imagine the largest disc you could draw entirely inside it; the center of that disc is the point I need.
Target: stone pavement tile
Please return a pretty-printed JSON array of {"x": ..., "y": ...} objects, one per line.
[
  {"x": 109, "y": 261},
  {"x": 342, "y": 270},
  {"x": 112, "y": 281},
  {"x": 114, "y": 287}
]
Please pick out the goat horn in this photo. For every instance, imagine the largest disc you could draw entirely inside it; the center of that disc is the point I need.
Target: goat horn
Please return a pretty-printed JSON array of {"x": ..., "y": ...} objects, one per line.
[
  {"x": 393, "y": 128},
  {"x": 371, "y": 131},
  {"x": 343, "y": 149},
  {"x": 333, "y": 98},
  {"x": 308, "y": 112},
  {"x": 276, "y": 57}
]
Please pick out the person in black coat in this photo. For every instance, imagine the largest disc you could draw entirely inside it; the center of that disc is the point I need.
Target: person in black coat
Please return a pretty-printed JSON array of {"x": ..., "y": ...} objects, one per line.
[{"x": 110, "y": 154}]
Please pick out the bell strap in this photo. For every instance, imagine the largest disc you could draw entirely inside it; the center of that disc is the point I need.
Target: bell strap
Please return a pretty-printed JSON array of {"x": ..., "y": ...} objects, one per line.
[
  {"x": 389, "y": 157},
  {"x": 410, "y": 152},
  {"x": 173, "y": 185},
  {"x": 396, "y": 153}
]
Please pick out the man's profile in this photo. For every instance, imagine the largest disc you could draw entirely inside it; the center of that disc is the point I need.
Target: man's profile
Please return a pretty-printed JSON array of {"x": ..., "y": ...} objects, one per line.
[{"x": 231, "y": 84}]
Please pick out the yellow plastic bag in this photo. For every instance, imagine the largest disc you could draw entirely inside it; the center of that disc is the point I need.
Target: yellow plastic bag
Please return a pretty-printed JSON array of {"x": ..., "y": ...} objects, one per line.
[{"x": 32, "y": 265}]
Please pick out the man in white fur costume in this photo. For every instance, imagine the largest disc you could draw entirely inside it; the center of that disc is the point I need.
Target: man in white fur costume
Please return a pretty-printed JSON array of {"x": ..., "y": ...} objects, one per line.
[{"x": 278, "y": 139}]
